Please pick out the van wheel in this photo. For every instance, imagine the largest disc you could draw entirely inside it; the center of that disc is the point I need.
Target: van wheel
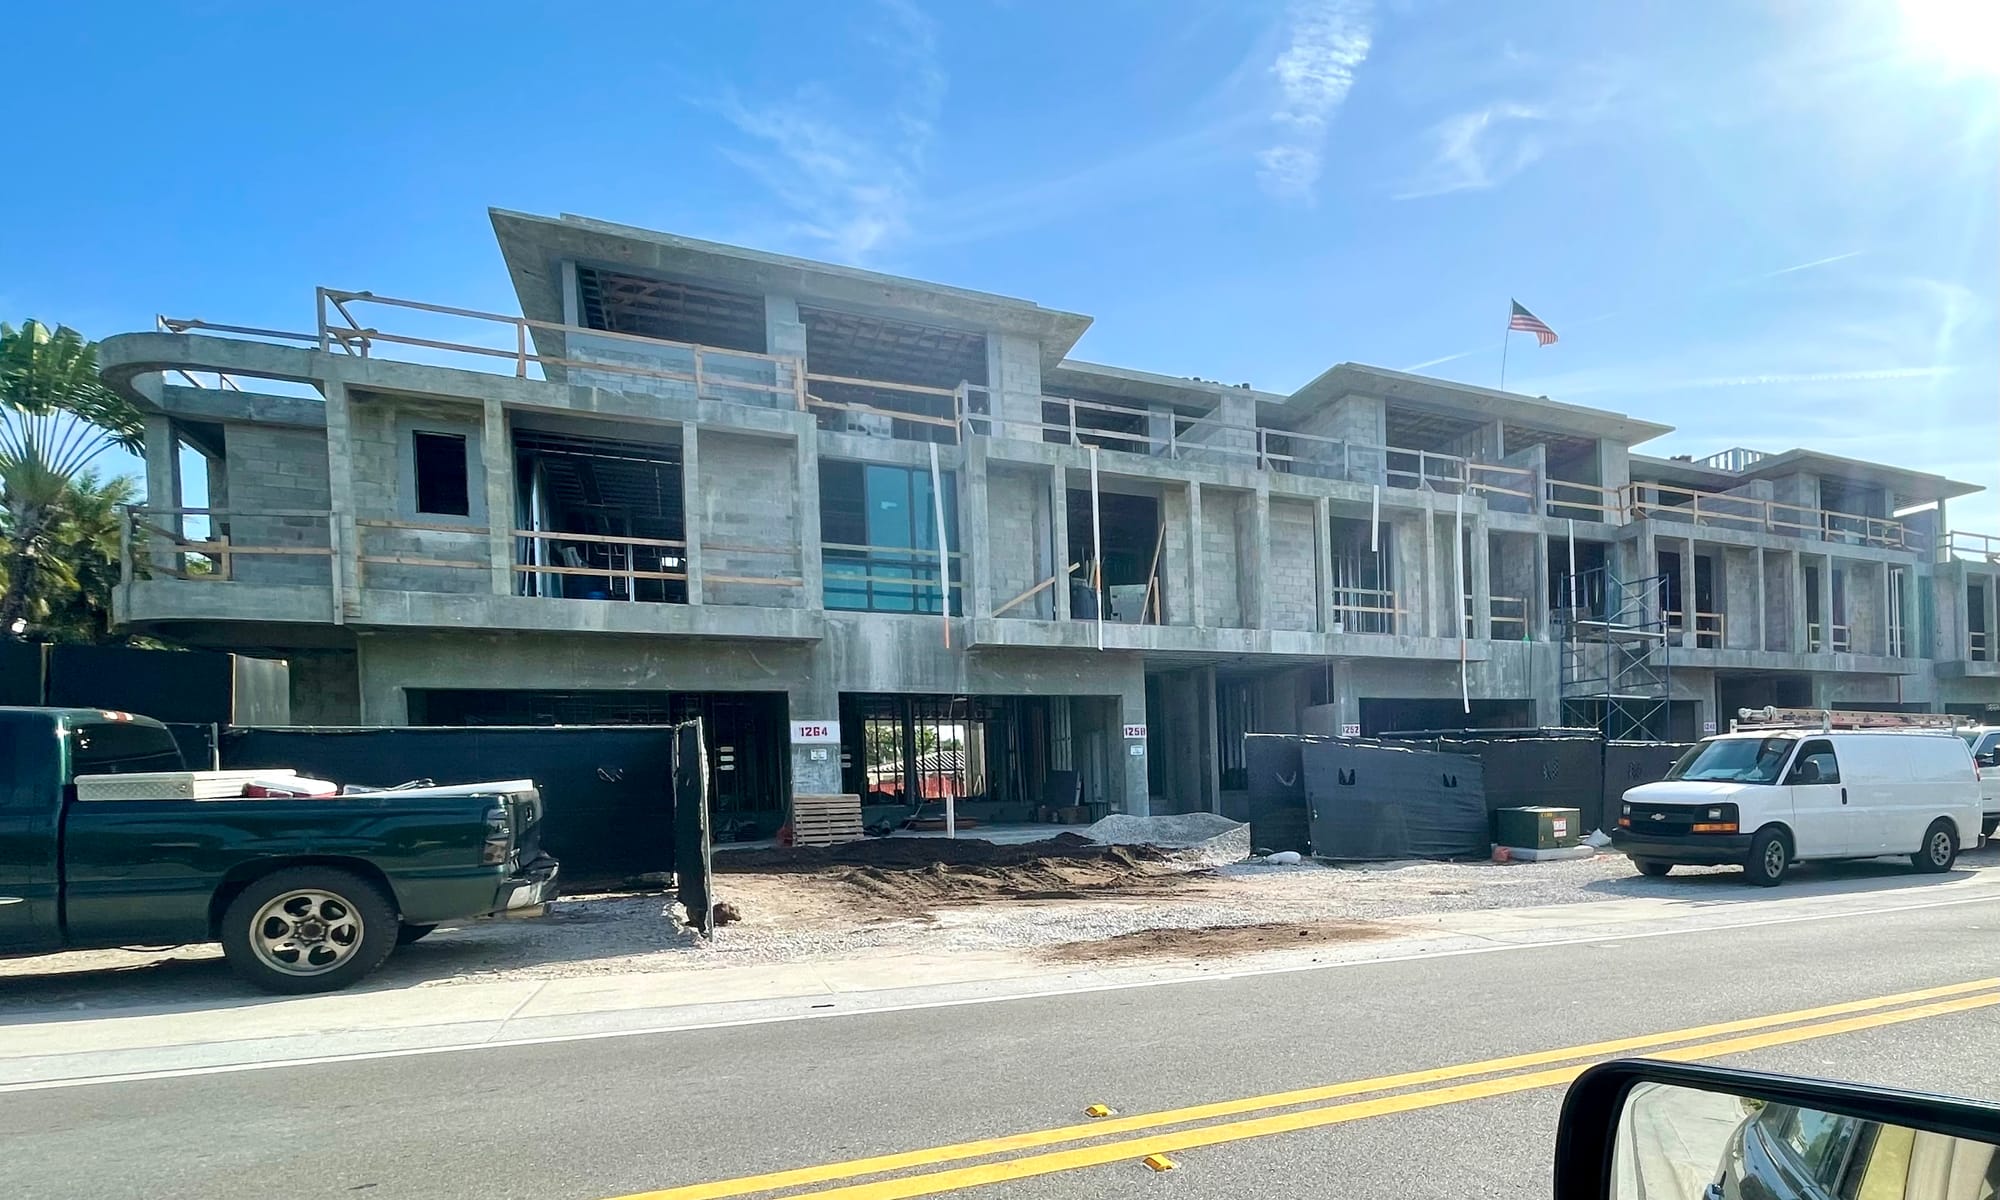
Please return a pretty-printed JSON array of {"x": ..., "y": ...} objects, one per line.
[
  {"x": 1770, "y": 859},
  {"x": 1940, "y": 848},
  {"x": 1652, "y": 867},
  {"x": 308, "y": 929}
]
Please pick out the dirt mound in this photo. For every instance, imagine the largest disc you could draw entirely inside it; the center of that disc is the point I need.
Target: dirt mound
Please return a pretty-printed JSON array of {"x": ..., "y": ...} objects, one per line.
[
  {"x": 1122, "y": 871},
  {"x": 913, "y": 854},
  {"x": 1215, "y": 942}
]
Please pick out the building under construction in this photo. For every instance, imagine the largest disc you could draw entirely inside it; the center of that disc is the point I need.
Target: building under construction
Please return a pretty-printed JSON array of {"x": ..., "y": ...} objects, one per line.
[{"x": 889, "y": 537}]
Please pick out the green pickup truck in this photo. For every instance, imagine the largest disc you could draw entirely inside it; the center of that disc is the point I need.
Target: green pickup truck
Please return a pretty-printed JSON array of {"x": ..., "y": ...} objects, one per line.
[{"x": 305, "y": 895}]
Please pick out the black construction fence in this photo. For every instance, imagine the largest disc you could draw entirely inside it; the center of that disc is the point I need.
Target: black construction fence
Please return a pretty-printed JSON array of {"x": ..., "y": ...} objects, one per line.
[
  {"x": 1432, "y": 794},
  {"x": 194, "y": 687},
  {"x": 620, "y": 801}
]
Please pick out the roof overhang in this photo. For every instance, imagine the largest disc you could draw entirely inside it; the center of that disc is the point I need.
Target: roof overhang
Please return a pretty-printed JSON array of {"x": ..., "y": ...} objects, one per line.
[
  {"x": 1467, "y": 400},
  {"x": 1911, "y": 487},
  {"x": 535, "y": 248},
  {"x": 1678, "y": 471},
  {"x": 1145, "y": 387}
]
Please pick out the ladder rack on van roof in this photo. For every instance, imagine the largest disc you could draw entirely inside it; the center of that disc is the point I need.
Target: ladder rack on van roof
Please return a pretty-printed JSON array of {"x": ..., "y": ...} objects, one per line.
[{"x": 1826, "y": 720}]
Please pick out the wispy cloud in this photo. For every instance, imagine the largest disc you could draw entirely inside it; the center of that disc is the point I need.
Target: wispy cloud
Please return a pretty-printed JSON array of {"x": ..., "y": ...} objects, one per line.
[
  {"x": 850, "y": 193},
  {"x": 1328, "y": 41},
  {"x": 1804, "y": 266},
  {"x": 1478, "y": 149}
]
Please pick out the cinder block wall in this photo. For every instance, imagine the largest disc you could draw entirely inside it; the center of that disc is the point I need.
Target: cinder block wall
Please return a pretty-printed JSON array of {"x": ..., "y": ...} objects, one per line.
[
  {"x": 1018, "y": 534},
  {"x": 1291, "y": 575},
  {"x": 382, "y": 474},
  {"x": 750, "y": 497},
  {"x": 1220, "y": 604},
  {"x": 276, "y": 468}
]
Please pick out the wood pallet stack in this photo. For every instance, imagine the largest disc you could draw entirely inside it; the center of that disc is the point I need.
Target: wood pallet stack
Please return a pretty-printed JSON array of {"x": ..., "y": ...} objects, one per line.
[{"x": 825, "y": 820}]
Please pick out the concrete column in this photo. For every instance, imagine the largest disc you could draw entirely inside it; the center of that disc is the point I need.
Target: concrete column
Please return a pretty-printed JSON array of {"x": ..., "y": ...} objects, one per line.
[
  {"x": 691, "y": 509},
  {"x": 1757, "y": 561},
  {"x": 815, "y": 769},
  {"x": 1059, "y": 536},
  {"x": 977, "y": 534},
  {"x": 1211, "y": 761},
  {"x": 807, "y": 449},
  {"x": 1992, "y": 594},
  {"x": 1429, "y": 626},
  {"x": 1482, "y": 579},
  {"x": 340, "y": 498},
  {"x": 496, "y": 451},
  {"x": 1323, "y": 564},
  {"x": 1198, "y": 615},
  {"x": 784, "y": 335},
  {"x": 1136, "y": 797},
  {"x": 1826, "y": 601},
  {"x": 1254, "y": 554},
  {"x": 1538, "y": 604},
  {"x": 1797, "y": 566},
  {"x": 163, "y": 487},
  {"x": 1688, "y": 605}
]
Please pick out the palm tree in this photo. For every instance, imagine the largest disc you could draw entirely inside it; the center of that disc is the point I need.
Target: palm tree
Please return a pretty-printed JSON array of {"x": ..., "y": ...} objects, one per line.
[
  {"x": 83, "y": 567},
  {"x": 56, "y": 418}
]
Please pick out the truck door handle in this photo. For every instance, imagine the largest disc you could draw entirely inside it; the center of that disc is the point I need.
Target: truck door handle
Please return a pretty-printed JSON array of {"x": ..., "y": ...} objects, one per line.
[{"x": 1843, "y": 795}]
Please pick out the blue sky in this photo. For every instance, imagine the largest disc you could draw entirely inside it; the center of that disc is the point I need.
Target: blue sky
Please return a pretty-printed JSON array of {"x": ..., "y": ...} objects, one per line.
[{"x": 1767, "y": 222}]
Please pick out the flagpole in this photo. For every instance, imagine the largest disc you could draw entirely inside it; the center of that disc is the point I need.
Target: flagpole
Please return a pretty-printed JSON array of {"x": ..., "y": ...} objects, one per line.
[{"x": 1504, "y": 339}]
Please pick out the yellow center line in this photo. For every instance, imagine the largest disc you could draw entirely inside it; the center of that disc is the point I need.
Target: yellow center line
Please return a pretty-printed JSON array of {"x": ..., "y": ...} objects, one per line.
[
  {"x": 1314, "y": 1118},
  {"x": 937, "y": 1155}
]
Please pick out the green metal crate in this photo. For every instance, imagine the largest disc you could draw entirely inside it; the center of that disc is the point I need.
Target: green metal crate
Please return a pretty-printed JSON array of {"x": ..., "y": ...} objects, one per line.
[{"x": 1539, "y": 828}]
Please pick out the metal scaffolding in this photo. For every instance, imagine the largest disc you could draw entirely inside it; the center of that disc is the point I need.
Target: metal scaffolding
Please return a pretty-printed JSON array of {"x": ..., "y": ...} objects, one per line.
[{"x": 1616, "y": 670}]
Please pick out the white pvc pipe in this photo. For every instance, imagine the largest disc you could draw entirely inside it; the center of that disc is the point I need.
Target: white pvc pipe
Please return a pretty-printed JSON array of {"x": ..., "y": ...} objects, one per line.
[
  {"x": 1097, "y": 548},
  {"x": 1458, "y": 579}
]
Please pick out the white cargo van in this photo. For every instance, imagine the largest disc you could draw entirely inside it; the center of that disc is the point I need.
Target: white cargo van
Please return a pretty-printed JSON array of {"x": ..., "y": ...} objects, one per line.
[
  {"x": 1985, "y": 744},
  {"x": 1767, "y": 799}
]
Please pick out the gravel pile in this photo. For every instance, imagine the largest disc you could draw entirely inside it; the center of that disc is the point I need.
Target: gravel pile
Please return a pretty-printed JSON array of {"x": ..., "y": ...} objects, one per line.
[{"x": 1203, "y": 838}]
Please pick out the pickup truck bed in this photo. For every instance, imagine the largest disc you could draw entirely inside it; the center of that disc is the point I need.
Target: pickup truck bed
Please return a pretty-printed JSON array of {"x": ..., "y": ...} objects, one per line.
[{"x": 305, "y": 894}]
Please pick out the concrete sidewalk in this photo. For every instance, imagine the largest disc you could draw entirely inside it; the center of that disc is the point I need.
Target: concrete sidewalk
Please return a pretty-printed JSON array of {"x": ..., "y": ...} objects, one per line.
[{"x": 51, "y": 1046}]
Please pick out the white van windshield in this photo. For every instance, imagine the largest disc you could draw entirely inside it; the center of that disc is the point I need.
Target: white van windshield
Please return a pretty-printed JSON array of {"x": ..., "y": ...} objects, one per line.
[{"x": 1733, "y": 760}]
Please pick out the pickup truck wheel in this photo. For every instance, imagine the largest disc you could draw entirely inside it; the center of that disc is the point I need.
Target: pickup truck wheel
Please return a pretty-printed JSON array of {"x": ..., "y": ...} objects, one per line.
[
  {"x": 1652, "y": 867},
  {"x": 1940, "y": 848},
  {"x": 408, "y": 933},
  {"x": 308, "y": 929}
]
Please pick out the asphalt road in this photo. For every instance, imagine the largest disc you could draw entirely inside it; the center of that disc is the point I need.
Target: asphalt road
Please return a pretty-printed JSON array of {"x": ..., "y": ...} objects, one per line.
[{"x": 588, "y": 1120}]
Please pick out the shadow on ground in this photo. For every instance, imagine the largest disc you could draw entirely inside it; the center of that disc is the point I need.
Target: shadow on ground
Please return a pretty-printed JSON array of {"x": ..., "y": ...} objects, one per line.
[
  {"x": 1726, "y": 885},
  {"x": 189, "y": 978}
]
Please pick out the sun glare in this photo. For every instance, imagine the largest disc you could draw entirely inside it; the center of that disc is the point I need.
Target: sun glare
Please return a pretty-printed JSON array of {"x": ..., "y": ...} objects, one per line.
[{"x": 1963, "y": 36}]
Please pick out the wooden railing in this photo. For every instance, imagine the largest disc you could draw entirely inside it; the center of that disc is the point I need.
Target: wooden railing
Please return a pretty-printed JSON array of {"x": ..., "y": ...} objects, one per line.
[
  {"x": 1510, "y": 611},
  {"x": 1974, "y": 547},
  {"x": 1564, "y": 499},
  {"x": 1709, "y": 628},
  {"x": 158, "y": 536},
  {"x": 1364, "y": 610},
  {"x": 1978, "y": 645},
  {"x": 1663, "y": 501}
]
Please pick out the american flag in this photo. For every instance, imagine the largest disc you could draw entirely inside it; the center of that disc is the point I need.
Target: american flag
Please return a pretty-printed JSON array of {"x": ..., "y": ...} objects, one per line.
[{"x": 1530, "y": 323}]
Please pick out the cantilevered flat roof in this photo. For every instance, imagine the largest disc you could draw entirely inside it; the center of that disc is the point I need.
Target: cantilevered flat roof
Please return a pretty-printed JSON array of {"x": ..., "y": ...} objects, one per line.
[
  {"x": 1464, "y": 399},
  {"x": 1912, "y": 487},
  {"x": 535, "y": 247},
  {"x": 1143, "y": 386}
]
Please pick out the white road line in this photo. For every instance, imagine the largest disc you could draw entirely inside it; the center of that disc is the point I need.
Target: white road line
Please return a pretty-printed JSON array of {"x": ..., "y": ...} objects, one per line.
[{"x": 917, "y": 1006}]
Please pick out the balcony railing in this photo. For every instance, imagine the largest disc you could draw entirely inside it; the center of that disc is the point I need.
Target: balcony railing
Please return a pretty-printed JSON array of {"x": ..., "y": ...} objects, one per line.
[
  {"x": 272, "y": 545},
  {"x": 1962, "y": 546},
  {"x": 1709, "y": 627},
  {"x": 1663, "y": 501}
]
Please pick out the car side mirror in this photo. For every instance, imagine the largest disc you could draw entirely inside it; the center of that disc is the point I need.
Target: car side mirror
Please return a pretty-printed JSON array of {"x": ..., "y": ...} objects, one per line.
[
  {"x": 1640, "y": 1130},
  {"x": 1808, "y": 772}
]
